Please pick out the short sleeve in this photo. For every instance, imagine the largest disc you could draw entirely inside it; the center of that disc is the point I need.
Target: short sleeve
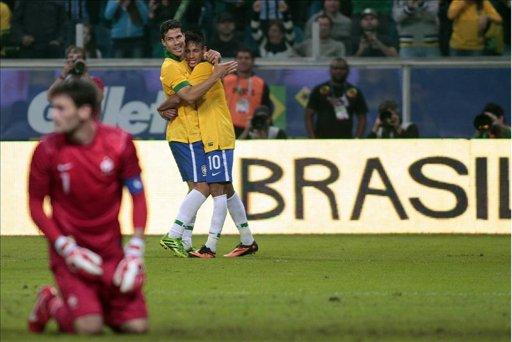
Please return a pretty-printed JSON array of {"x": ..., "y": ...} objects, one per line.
[
  {"x": 129, "y": 161},
  {"x": 314, "y": 100},
  {"x": 174, "y": 77},
  {"x": 40, "y": 172},
  {"x": 200, "y": 73}
]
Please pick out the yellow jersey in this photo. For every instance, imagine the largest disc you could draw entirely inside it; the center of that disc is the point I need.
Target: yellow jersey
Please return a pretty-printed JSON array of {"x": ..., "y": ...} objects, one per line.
[
  {"x": 185, "y": 127},
  {"x": 465, "y": 16},
  {"x": 215, "y": 122}
]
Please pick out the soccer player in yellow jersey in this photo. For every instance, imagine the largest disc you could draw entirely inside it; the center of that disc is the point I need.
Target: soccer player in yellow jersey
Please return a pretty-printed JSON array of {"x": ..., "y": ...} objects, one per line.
[
  {"x": 183, "y": 132},
  {"x": 218, "y": 137}
]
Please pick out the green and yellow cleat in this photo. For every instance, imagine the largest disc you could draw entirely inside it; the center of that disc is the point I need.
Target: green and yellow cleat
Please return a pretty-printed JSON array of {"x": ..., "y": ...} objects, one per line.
[{"x": 175, "y": 245}]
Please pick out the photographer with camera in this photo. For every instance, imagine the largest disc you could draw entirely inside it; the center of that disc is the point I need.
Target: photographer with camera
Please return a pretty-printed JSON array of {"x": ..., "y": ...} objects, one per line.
[
  {"x": 489, "y": 124},
  {"x": 388, "y": 124},
  {"x": 260, "y": 126},
  {"x": 76, "y": 68}
]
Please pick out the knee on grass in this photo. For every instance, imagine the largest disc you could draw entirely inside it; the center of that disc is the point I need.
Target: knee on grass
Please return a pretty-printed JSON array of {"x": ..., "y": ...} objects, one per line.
[
  {"x": 135, "y": 326},
  {"x": 89, "y": 325}
]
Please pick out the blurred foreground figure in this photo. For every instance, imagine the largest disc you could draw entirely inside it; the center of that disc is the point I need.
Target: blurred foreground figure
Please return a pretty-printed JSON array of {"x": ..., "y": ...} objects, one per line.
[{"x": 82, "y": 167}]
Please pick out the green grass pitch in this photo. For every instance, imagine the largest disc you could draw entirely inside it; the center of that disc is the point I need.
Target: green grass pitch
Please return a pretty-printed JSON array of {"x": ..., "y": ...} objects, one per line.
[{"x": 302, "y": 288}]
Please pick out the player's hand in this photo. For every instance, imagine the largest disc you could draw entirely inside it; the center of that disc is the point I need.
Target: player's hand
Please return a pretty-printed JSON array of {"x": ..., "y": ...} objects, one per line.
[
  {"x": 168, "y": 114},
  {"x": 79, "y": 260},
  {"x": 129, "y": 274},
  {"x": 223, "y": 69},
  {"x": 212, "y": 56}
]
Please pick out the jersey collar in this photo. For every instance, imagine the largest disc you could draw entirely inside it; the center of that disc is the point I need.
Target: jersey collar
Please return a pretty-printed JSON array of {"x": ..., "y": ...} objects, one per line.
[{"x": 172, "y": 56}]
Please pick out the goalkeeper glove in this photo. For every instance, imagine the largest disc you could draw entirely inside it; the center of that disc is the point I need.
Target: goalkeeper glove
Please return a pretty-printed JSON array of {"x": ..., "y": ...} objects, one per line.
[
  {"x": 129, "y": 274},
  {"x": 79, "y": 259}
]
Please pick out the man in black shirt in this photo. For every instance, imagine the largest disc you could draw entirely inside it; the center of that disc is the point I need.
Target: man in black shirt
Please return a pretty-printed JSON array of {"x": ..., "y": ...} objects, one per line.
[
  {"x": 333, "y": 105},
  {"x": 370, "y": 43},
  {"x": 226, "y": 40}
]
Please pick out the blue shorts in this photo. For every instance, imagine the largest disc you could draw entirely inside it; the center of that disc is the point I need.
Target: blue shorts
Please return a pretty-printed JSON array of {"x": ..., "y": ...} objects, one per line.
[
  {"x": 219, "y": 164},
  {"x": 191, "y": 160}
]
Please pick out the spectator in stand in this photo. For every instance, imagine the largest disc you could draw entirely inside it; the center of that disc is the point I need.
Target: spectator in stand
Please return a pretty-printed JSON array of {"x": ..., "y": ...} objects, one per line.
[
  {"x": 226, "y": 40},
  {"x": 333, "y": 105},
  {"x": 389, "y": 125},
  {"x": 160, "y": 11},
  {"x": 261, "y": 126},
  {"x": 503, "y": 9},
  {"x": 91, "y": 50},
  {"x": 76, "y": 68},
  {"x": 209, "y": 11},
  {"x": 78, "y": 13},
  {"x": 279, "y": 39},
  {"x": 40, "y": 28},
  {"x": 128, "y": 19},
  {"x": 470, "y": 21},
  {"x": 5, "y": 27},
  {"x": 341, "y": 24},
  {"x": 445, "y": 27},
  {"x": 245, "y": 91},
  {"x": 370, "y": 43},
  {"x": 418, "y": 27},
  {"x": 329, "y": 48}
]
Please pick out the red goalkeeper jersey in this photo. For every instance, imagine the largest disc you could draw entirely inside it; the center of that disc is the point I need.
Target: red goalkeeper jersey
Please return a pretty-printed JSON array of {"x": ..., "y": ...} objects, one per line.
[{"x": 84, "y": 183}]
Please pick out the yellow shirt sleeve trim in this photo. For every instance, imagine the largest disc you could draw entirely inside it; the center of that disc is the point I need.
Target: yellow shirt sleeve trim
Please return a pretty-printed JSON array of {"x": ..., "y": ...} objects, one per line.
[{"x": 180, "y": 86}]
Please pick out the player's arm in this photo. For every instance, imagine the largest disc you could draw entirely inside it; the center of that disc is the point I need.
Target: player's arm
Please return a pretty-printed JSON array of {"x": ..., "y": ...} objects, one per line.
[
  {"x": 79, "y": 260},
  {"x": 129, "y": 274},
  {"x": 190, "y": 94},
  {"x": 38, "y": 189}
]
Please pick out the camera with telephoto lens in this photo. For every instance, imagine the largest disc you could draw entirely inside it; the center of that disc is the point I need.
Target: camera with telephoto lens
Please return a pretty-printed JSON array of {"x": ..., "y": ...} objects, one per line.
[
  {"x": 483, "y": 124},
  {"x": 78, "y": 68},
  {"x": 259, "y": 122},
  {"x": 385, "y": 117}
]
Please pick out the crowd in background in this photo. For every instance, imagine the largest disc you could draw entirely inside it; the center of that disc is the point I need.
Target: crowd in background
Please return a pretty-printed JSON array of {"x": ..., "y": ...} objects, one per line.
[{"x": 270, "y": 28}]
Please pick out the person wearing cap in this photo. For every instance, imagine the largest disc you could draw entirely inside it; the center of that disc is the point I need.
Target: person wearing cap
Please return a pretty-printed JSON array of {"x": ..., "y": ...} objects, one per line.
[
  {"x": 225, "y": 39},
  {"x": 418, "y": 27},
  {"x": 370, "y": 43},
  {"x": 261, "y": 126},
  {"x": 341, "y": 24}
]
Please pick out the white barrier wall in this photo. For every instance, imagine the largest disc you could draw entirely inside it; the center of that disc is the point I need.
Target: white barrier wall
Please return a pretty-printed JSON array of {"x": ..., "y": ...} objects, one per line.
[{"x": 313, "y": 186}]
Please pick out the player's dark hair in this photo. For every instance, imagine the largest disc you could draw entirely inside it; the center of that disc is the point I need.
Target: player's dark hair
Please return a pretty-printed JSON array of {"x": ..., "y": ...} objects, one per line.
[
  {"x": 167, "y": 25},
  {"x": 245, "y": 50},
  {"x": 82, "y": 92},
  {"x": 494, "y": 108},
  {"x": 194, "y": 37}
]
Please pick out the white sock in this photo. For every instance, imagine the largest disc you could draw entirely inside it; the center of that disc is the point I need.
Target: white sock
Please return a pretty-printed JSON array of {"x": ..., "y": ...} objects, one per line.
[
  {"x": 237, "y": 212},
  {"x": 220, "y": 210},
  {"x": 187, "y": 234},
  {"x": 187, "y": 211}
]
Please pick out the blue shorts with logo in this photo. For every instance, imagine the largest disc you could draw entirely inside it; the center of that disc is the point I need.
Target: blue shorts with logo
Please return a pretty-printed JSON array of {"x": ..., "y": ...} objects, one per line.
[
  {"x": 219, "y": 166},
  {"x": 191, "y": 160}
]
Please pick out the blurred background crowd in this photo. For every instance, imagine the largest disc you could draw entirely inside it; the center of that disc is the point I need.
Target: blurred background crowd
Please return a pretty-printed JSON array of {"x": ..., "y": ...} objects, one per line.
[{"x": 273, "y": 29}]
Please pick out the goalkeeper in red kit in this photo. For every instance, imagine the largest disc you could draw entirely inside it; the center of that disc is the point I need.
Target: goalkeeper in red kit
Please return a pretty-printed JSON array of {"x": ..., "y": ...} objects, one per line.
[{"x": 82, "y": 168}]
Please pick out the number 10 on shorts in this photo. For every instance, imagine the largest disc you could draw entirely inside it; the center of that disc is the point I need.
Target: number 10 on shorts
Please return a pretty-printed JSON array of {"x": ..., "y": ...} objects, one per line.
[{"x": 220, "y": 163}]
